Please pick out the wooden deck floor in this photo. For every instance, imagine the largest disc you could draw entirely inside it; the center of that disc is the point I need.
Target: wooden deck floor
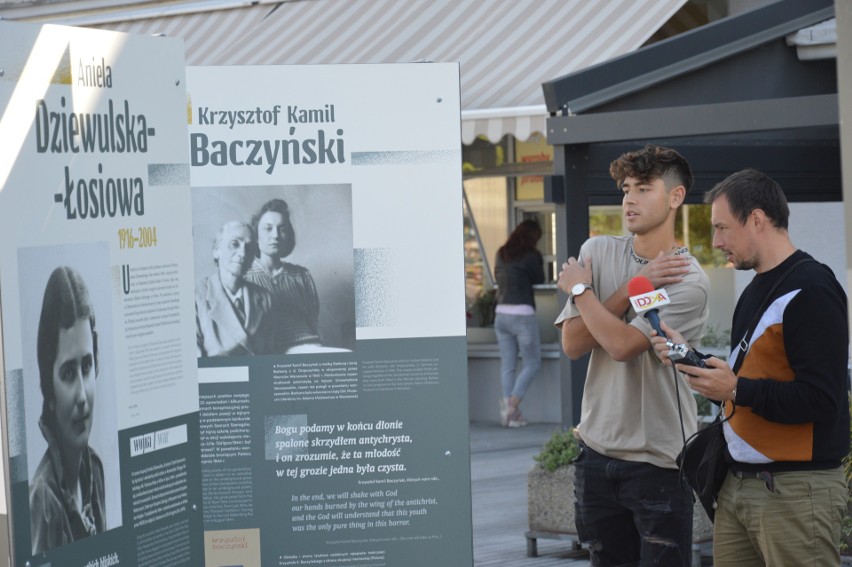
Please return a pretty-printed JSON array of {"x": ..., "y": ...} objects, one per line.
[{"x": 500, "y": 459}]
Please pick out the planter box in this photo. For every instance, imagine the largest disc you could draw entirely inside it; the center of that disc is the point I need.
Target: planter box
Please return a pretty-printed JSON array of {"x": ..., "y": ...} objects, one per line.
[
  {"x": 550, "y": 500},
  {"x": 702, "y": 527},
  {"x": 550, "y": 504}
]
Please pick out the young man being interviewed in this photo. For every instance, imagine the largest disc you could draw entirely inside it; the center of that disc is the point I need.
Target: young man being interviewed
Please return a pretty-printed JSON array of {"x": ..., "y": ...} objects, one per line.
[{"x": 632, "y": 506}]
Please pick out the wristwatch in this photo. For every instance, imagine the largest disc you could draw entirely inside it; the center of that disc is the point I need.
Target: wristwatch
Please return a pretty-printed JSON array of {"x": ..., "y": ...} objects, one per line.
[{"x": 578, "y": 289}]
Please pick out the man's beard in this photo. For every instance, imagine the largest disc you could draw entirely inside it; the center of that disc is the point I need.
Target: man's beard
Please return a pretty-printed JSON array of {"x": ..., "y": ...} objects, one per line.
[{"x": 745, "y": 265}]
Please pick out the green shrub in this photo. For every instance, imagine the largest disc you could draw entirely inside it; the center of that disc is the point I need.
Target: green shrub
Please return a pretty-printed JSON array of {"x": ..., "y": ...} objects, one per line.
[
  {"x": 705, "y": 406},
  {"x": 715, "y": 338},
  {"x": 560, "y": 450},
  {"x": 484, "y": 307}
]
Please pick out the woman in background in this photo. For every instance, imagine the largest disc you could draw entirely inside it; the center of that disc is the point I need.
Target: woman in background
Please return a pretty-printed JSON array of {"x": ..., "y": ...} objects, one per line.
[
  {"x": 292, "y": 286},
  {"x": 519, "y": 266}
]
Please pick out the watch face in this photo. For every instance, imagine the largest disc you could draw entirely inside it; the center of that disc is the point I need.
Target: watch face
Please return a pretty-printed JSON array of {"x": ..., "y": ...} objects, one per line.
[{"x": 578, "y": 289}]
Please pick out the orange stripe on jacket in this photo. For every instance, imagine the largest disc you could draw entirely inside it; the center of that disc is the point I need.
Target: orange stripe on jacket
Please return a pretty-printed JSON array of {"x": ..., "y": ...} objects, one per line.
[{"x": 777, "y": 441}]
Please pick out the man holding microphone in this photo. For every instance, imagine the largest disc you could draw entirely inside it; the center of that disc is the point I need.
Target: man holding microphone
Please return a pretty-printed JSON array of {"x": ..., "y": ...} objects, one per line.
[{"x": 784, "y": 498}]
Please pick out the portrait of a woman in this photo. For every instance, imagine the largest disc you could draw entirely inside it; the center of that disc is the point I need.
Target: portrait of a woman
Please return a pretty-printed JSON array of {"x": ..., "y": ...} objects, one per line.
[
  {"x": 67, "y": 490},
  {"x": 292, "y": 287}
]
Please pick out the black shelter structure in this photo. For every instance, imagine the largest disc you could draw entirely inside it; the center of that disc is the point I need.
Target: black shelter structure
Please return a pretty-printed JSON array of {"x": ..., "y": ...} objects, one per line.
[{"x": 728, "y": 95}]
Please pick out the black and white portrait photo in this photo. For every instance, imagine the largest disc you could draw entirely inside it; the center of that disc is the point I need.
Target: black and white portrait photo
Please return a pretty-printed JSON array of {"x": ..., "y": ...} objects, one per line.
[
  {"x": 274, "y": 268},
  {"x": 69, "y": 389}
]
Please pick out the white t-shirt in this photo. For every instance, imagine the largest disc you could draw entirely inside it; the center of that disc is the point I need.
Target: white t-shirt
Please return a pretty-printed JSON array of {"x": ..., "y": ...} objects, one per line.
[{"x": 629, "y": 409}]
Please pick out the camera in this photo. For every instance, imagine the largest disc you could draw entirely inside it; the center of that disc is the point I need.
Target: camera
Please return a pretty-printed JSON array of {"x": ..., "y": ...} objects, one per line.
[{"x": 682, "y": 354}]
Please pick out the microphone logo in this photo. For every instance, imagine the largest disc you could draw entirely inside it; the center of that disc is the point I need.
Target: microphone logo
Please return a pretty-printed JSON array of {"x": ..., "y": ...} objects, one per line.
[{"x": 649, "y": 300}]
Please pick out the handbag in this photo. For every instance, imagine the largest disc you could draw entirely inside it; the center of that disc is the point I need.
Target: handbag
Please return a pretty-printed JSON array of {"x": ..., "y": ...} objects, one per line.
[{"x": 703, "y": 461}]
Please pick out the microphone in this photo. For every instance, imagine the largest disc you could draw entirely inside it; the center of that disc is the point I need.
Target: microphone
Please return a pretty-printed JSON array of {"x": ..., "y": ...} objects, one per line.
[{"x": 646, "y": 301}]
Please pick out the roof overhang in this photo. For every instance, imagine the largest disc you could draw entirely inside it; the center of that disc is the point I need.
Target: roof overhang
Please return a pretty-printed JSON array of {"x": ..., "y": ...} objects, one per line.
[
  {"x": 683, "y": 54},
  {"x": 696, "y": 120},
  {"x": 506, "y": 48},
  {"x": 732, "y": 94}
]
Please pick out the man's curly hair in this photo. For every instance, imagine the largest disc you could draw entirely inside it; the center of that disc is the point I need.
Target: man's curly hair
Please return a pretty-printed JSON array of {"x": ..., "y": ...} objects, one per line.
[{"x": 653, "y": 162}]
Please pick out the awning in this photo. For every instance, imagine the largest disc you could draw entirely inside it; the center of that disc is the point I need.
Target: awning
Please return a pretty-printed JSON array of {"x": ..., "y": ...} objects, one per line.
[{"x": 506, "y": 48}]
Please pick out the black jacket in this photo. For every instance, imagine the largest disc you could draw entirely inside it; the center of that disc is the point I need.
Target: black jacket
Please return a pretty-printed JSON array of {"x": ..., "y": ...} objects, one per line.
[{"x": 516, "y": 278}]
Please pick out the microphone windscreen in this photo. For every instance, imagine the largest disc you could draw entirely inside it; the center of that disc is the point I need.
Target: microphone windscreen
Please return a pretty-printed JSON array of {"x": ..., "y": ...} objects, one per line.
[{"x": 639, "y": 285}]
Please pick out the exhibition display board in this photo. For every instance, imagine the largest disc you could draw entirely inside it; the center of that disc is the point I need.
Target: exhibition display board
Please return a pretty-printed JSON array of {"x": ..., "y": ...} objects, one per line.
[
  {"x": 306, "y": 221},
  {"x": 339, "y": 435},
  {"x": 96, "y": 273}
]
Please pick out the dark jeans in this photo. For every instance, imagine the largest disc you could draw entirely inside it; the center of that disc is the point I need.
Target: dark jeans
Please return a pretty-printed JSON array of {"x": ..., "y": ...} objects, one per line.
[{"x": 631, "y": 514}]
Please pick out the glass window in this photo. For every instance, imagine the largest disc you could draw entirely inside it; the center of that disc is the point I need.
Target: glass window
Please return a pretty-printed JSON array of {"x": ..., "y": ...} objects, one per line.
[
  {"x": 546, "y": 219},
  {"x": 696, "y": 231},
  {"x": 503, "y": 186},
  {"x": 482, "y": 158},
  {"x": 692, "y": 229},
  {"x": 485, "y": 230},
  {"x": 606, "y": 220}
]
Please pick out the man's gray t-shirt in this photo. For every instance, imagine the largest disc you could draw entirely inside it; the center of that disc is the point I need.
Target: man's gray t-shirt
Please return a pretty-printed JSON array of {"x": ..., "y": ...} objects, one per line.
[{"x": 630, "y": 409}]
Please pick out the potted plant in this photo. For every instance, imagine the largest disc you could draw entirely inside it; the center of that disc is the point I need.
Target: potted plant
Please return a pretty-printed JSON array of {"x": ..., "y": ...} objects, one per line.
[
  {"x": 484, "y": 306},
  {"x": 550, "y": 485},
  {"x": 481, "y": 327},
  {"x": 715, "y": 342}
]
